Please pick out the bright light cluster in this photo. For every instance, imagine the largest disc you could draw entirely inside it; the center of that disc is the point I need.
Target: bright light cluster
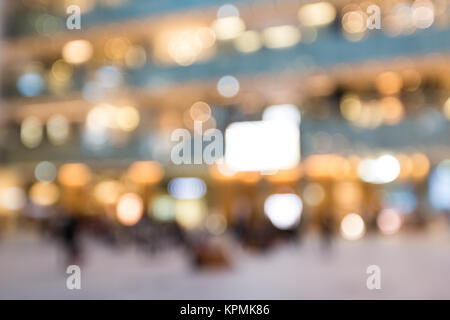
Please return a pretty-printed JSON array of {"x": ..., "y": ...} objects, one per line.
[
  {"x": 262, "y": 145},
  {"x": 383, "y": 169},
  {"x": 283, "y": 210}
]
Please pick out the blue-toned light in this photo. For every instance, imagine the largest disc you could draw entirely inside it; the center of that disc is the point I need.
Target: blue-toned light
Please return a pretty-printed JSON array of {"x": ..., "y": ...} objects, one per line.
[
  {"x": 187, "y": 188},
  {"x": 403, "y": 200},
  {"x": 439, "y": 188},
  {"x": 30, "y": 84},
  {"x": 109, "y": 76}
]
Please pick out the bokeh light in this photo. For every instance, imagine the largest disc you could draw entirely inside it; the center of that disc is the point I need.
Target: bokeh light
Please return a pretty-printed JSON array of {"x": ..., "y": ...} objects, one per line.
[
  {"x": 30, "y": 84},
  {"x": 216, "y": 224},
  {"x": 439, "y": 187},
  {"x": 200, "y": 111},
  {"x": 77, "y": 51},
  {"x": 283, "y": 112},
  {"x": 383, "y": 169},
  {"x": 190, "y": 214},
  {"x": 12, "y": 198},
  {"x": 108, "y": 192},
  {"x": 389, "y": 221},
  {"x": 187, "y": 188},
  {"x": 163, "y": 208},
  {"x": 74, "y": 174},
  {"x": 127, "y": 118},
  {"x": 129, "y": 209},
  {"x": 228, "y": 86},
  {"x": 228, "y": 28},
  {"x": 283, "y": 210},
  {"x": 31, "y": 132},
  {"x": 249, "y": 41},
  {"x": 313, "y": 194},
  {"x": 281, "y": 36},
  {"x": 352, "y": 227},
  {"x": 44, "y": 194},
  {"x": 317, "y": 14},
  {"x": 146, "y": 172},
  {"x": 45, "y": 171},
  {"x": 58, "y": 129}
]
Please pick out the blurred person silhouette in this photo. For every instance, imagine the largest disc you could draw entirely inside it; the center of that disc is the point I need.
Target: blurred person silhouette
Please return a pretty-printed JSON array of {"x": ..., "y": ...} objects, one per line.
[
  {"x": 70, "y": 236},
  {"x": 208, "y": 252},
  {"x": 326, "y": 224}
]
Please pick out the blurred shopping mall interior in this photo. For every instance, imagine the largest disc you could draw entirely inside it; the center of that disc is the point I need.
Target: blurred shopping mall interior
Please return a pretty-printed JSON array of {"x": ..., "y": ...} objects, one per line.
[{"x": 225, "y": 149}]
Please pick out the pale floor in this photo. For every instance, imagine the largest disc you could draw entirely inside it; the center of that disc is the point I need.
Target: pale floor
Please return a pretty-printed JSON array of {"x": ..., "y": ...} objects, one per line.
[{"x": 411, "y": 267}]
